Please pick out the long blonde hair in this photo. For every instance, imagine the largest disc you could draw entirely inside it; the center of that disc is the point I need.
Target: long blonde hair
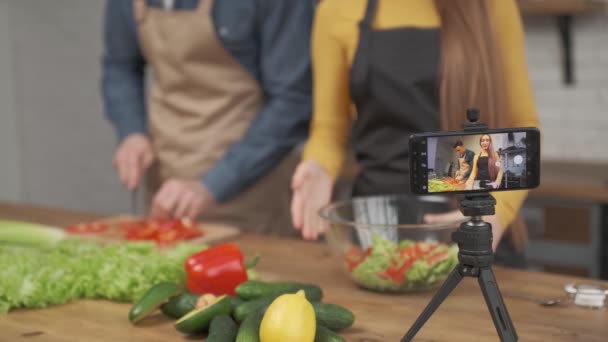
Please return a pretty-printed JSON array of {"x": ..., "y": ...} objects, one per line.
[
  {"x": 470, "y": 68},
  {"x": 471, "y": 75}
]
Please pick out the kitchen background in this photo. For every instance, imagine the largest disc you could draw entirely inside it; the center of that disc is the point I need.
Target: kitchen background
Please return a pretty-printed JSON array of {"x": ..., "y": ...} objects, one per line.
[{"x": 56, "y": 147}]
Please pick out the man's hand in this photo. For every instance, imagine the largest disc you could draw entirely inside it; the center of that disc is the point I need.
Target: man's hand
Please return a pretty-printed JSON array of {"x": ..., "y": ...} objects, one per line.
[
  {"x": 132, "y": 158},
  {"x": 456, "y": 215},
  {"x": 312, "y": 188},
  {"x": 181, "y": 199}
]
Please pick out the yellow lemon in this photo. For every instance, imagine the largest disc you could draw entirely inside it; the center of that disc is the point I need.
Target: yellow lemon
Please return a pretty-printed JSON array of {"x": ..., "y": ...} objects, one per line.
[{"x": 291, "y": 318}]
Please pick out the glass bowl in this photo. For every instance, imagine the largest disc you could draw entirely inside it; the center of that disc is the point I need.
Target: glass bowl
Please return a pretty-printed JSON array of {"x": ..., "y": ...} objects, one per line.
[{"x": 383, "y": 245}]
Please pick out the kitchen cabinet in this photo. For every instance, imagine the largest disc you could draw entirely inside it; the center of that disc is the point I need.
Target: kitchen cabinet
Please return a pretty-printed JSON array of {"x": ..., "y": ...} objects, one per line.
[{"x": 567, "y": 217}]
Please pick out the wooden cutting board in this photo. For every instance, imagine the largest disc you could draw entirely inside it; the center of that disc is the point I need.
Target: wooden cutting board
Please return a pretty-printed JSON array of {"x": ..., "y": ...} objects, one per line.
[{"x": 213, "y": 233}]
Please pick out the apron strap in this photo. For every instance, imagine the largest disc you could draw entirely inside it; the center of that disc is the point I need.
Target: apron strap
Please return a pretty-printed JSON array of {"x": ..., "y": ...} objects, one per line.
[
  {"x": 361, "y": 65},
  {"x": 370, "y": 14},
  {"x": 139, "y": 10}
]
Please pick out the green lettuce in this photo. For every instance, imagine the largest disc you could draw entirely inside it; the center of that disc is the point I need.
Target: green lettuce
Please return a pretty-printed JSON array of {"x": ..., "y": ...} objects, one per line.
[
  {"x": 419, "y": 275},
  {"x": 73, "y": 269}
]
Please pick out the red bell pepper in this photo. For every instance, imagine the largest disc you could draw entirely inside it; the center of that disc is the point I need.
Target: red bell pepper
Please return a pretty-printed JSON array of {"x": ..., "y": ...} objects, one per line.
[{"x": 217, "y": 270}]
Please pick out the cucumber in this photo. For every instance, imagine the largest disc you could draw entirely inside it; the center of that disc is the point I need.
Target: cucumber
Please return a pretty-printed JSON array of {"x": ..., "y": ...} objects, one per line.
[
  {"x": 243, "y": 310},
  {"x": 198, "y": 320},
  {"x": 180, "y": 305},
  {"x": 249, "y": 331},
  {"x": 333, "y": 316},
  {"x": 324, "y": 334},
  {"x": 254, "y": 289},
  {"x": 236, "y": 301},
  {"x": 222, "y": 329},
  {"x": 152, "y": 300}
]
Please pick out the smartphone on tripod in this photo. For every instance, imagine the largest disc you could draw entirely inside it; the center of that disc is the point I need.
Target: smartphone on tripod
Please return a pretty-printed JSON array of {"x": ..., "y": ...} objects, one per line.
[{"x": 469, "y": 162}]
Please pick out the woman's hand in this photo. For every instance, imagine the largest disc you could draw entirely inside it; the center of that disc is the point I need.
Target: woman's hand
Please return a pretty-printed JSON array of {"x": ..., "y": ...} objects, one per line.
[
  {"x": 456, "y": 215},
  {"x": 494, "y": 185},
  {"x": 132, "y": 158},
  {"x": 312, "y": 187},
  {"x": 181, "y": 199}
]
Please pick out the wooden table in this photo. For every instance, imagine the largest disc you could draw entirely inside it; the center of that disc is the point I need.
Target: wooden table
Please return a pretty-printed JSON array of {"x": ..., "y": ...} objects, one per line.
[{"x": 462, "y": 317}]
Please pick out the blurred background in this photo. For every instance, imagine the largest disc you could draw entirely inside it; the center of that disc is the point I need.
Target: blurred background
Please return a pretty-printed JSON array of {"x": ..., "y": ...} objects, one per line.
[{"x": 56, "y": 147}]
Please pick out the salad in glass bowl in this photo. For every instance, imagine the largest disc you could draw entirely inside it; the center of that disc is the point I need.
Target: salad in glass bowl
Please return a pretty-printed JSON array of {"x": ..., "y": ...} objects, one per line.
[{"x": 383, "y": 245}]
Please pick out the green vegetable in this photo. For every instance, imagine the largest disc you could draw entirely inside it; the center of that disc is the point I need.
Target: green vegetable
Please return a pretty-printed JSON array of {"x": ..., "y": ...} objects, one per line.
[
  {"x": 437, "y": 185},
  {"x": 29, "y": 234},
  {"x": 152, "y": 300},
  {"x": 244, "y": 310},
  {"x": 420, "y": 275},
  {"x": 76, "y": 269},
  {"x": 253, "y": 289},
  {"x": 313, "y": 294},
  {"x": 198, "y": 320},
  {"x": 324, "y": 334},
  {"x": 222, "y": 329},
  {"x": 249, "y": 331},
  {"x": 333, "y": 316},
  {"x": 180, "y": 305}
]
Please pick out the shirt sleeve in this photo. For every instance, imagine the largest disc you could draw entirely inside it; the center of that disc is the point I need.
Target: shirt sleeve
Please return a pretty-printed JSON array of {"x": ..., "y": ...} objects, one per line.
[
  {"x": 284, "y": 42},
  {"x": 521, "y": 109},
  {"x": 331, "y": 119},
  {"x": 123, "y": 68}
]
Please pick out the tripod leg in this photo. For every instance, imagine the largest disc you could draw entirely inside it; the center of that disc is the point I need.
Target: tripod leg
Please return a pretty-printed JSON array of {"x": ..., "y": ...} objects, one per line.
[
  {"x": 453, "y": 279},
  {"x": 496, "y": 305}
]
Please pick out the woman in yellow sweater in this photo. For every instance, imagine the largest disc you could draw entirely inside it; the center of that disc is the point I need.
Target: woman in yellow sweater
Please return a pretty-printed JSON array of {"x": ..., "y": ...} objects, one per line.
[{"x": 407, "y": 66}]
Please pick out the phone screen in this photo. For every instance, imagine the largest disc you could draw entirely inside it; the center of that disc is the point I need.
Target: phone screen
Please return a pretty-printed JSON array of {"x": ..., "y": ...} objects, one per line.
[{"x": 476, "y": 162}]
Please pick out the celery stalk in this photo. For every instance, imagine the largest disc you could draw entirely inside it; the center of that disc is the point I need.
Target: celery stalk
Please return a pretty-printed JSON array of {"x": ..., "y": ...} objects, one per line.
[{"x": 29, "y": 234}]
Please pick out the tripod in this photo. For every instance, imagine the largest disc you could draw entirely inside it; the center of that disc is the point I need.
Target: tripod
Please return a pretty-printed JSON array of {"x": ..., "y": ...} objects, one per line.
[
  {"x": 474, "y": 239},
  {"x": 475, "y": 256}
]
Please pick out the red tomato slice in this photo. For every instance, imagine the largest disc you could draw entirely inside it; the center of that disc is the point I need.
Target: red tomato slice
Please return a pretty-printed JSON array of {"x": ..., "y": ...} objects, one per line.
[
  {"x": 162, "y": 231},
  {"x": 435, "y": 258},
  {"x": 148, "y": 232}
]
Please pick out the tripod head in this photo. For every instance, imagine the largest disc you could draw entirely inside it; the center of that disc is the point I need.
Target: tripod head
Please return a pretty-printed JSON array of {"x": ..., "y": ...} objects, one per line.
[{"x": 474, "y": 237}]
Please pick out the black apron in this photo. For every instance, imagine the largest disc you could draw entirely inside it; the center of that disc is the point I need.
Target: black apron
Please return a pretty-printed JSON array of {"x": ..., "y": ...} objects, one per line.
[{"x": 395, "y": 88}]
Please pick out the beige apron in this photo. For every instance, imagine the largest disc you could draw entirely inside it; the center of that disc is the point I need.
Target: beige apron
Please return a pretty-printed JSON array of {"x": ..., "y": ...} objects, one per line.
[
  {"x": 464, "y": 166},
  {"x": 202, "y": 101}
]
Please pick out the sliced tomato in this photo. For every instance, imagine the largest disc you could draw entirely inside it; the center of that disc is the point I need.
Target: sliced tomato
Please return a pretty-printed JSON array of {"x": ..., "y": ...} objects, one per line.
[
  {"x": 146, "y": 233},
  {"x": 129, "y": 226},
  {"x": 355, "y": 257},
  {"x": 408, "y": 253},
  {"x": 87, "y": 228},
  {"x": 161, "y": 231},
  {"x": 437, "y": 257},
  {"x": 396, "y": 273},
  {"x": 167, "y": 236}
]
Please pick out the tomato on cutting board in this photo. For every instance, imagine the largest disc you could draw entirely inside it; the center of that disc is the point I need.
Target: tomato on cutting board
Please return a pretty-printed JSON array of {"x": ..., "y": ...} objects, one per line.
[{"x": 161, "y": 231}]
